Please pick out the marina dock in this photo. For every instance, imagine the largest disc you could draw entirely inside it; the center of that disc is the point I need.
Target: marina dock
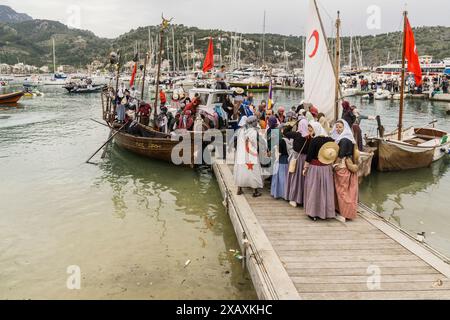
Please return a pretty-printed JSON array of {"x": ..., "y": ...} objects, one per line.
[{"x": 291, "y": 257}]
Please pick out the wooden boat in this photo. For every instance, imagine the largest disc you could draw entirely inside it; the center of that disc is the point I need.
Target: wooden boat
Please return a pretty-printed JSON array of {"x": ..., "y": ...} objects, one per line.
[
  {"x": 11, "y": 98},
  {"x": 418, "y": 148},
  {"x": 153, "y": 145},
  {"x": 159, "y": 146}
]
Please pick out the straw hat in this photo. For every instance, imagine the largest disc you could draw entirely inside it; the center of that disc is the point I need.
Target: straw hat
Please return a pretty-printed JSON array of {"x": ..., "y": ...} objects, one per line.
[
  {"x": 328, "y": 153},
  {"x": 239, "y": 90}
]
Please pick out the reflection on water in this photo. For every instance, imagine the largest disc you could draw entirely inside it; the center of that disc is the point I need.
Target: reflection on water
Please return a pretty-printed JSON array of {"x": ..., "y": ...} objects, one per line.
[{"x": 383, "y": 195}]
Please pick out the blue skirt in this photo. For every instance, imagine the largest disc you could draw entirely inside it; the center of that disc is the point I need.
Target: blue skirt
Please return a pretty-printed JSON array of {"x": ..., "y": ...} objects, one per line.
[{"x": 279, "y": 182}]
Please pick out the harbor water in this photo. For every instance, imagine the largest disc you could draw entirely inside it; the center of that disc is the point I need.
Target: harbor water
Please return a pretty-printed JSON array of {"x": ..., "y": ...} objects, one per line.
[
  {"x": 136, "y": 229},
  {"x": 141, "y": 229}
]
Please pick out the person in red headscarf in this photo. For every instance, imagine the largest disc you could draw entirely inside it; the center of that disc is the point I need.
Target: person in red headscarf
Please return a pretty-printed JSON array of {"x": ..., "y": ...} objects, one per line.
[
  {"x": 314, "y": 111},
  {"x": 192, "y": 107},
  {"x": 162, "y": 98},
  {"x": 347, "y": 113},
  {"x": 281, "y": 117}
]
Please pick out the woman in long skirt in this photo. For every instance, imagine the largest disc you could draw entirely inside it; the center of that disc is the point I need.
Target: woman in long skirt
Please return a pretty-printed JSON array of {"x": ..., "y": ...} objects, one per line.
[
  {"x": 281, "y": 168},
  {"x": 346, "y": 172},
  {"x": 319, "y": 187},
  {"x": 296, "y": 180}
]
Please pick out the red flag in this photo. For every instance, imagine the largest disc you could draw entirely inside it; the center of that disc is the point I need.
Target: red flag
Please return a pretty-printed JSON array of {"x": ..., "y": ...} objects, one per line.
[
  {"x": 133, "y": 75},
  {"x": 208, "y": 64},
  {"x": 411, "y": 54}
]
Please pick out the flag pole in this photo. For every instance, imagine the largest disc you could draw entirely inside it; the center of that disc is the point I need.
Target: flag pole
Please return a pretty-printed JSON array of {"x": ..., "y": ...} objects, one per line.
[
  {"x": 164, "y": 25},
  {"x": 144, "y": 74},
  {"x": 402, "y": 81}
]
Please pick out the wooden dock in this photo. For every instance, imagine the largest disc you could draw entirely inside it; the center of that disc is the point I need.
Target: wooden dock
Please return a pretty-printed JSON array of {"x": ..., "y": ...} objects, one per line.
[{"x": 291, "y": 257}]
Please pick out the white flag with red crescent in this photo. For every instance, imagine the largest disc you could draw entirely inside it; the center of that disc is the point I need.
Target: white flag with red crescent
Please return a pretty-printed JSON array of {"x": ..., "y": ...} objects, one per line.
[{"x": 320, "y": 81}]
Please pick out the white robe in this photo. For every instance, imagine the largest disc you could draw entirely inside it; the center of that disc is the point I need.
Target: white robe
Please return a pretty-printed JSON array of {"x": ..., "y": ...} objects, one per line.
[{"x": 247, "y": 169}]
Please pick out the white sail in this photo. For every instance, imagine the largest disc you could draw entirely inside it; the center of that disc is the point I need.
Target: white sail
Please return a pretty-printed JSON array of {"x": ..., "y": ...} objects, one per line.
[{"x": 320, "y": 80}]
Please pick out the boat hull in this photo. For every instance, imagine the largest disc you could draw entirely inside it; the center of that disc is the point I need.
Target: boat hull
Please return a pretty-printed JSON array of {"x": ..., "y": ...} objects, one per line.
[
  {"x": 254, "y": 87},
  {"x": 94, "y": 89},
  {"x": 11, "y": 98},
  {"x": 153, "y": 148},
  {"x": 392, "y": 155},
  {"x": 156, "y": 146}
]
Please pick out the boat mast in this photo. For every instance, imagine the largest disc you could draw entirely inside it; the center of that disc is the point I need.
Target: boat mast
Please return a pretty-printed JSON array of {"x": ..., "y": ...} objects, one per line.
[
  {"x": 220, "y": 50},
  {"x": 239, "y": 51},
  {"x": 168, "y": 54},
  {"x": 173, "y": 50},
  {"x": 178, "y": 55},
  {"x": 337, "y": 65},
  {"x": 150, "y": 49},
  {"x": 193, "y": 52},
  {"x": 143, "y": 75},
  {"x": 187, "y": 55},
  {"x": 263, "y": 39},
  {"x": 164, "y": 25},
  {"x": 54, "y": 57},
  {"x": 402, "y": 81},
  {"x": 285, "y": 55},
  {"x": 351, "y": 53}
]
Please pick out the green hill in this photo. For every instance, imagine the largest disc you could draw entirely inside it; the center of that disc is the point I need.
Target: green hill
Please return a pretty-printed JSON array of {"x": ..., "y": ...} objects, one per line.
[{"x": 30, "y": 42}]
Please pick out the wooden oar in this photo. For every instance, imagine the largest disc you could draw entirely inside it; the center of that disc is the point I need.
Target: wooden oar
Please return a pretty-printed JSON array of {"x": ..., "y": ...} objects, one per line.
[
  {"x": 105, "y": 149},
  {"x": 107, "y": 141}
]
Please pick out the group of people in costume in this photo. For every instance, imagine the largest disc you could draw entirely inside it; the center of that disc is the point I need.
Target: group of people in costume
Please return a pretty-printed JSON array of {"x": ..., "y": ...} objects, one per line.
[{"x": 314, "y": 165}]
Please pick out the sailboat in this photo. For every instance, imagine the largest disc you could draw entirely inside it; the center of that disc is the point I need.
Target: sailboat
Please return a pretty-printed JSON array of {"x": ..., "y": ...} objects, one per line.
[
  {"x": 414, "y": 147},
  {"x": 322, "y": 87},
  {"x": 57, "y": 78}
]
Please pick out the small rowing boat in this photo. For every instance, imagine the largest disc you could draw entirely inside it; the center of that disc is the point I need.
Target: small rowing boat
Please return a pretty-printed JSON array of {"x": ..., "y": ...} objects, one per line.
[{"x": 11, "y": 98}]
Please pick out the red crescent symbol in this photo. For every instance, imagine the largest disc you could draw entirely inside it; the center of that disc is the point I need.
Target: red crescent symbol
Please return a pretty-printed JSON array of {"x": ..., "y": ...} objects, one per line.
[{"x": 315, "y": 34}]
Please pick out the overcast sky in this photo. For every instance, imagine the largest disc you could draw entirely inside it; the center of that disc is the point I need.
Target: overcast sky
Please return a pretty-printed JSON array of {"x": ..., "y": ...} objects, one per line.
[{"x": 114, "y": 17}]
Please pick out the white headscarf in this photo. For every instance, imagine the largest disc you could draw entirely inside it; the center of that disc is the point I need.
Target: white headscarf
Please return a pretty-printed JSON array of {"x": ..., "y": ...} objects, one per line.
[
  {"x": 346, "y": 134},
  {"x": 243, "y": 122},
  {"x": 319, "y": 131}
]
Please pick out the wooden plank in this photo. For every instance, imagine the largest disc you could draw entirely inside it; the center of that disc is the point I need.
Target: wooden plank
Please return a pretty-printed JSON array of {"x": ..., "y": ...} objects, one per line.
[
  {"x": 330, "y": 252},
  {"x": 337, "y": 279},
  {"x": 313, "y": 271},
  {"x": 319, "y": 229},
  {"x": 291, "y": 224},
  {"x": 352, "y": 246},
  {"x": 312, "y": 242},
  {"x": 363, "y": 287},
  {"x": 280, "y": 236},
  {"x": 356, "y": 264},
  {"x": 349, "y": 258},
  {"x": 378, "y": 295}
]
